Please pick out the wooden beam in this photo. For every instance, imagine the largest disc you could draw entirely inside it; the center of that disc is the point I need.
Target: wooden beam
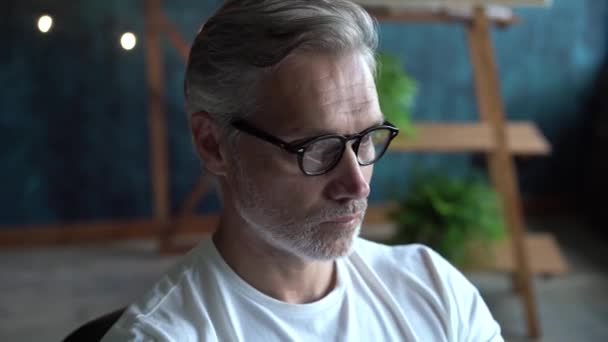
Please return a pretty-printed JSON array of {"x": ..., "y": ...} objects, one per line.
[
  {"x": 156, "y": 111},
  {"x": 434, "y": 15},
  {"x": 169, "y": 230},
  {"x": 175, "y": 37},
  {"x": 523, "y": 138},
  {"x": 501, "y": 165},
  {"x": 97, "y": 232}
]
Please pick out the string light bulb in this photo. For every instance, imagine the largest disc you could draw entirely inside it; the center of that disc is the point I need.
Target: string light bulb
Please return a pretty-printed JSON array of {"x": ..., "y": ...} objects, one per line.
[
  {"x": 128, "y": 41},
  {"x": 45, "y": 22}
]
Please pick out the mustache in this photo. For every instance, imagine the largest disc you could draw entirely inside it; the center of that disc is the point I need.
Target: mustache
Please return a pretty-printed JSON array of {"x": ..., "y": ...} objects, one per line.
[{"x": 329, "y": 213}]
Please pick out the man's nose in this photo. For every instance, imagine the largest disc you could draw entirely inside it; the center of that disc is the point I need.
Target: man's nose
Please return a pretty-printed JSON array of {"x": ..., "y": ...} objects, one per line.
[{"x": 349, "y": 181}]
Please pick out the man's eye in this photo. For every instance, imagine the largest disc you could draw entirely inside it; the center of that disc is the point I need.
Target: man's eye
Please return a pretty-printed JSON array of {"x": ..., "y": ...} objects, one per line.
[
  {"x": 366, "y": 140},
  {"x": 331, "y": 152}
]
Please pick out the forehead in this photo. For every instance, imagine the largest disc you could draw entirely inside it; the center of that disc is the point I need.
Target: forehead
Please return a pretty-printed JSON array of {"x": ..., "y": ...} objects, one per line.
[{"x": 320, "y": 92}]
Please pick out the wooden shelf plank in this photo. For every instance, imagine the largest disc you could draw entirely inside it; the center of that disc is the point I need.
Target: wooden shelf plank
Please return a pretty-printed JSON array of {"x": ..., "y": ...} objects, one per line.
[
  {"x": 543, "y": 253},
  {"x": 499, "y": 15},
  {"x": 542, "y": 248},
  {"x": 523, "y": 137},
  {"x": 97, "y": 232}
]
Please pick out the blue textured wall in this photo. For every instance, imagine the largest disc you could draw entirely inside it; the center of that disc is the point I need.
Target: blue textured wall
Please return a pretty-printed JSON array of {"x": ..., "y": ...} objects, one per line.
[{"x": 73, "y": 130}]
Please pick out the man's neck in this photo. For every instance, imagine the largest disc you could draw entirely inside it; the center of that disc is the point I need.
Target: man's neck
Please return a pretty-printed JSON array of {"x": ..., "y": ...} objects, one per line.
[{"x": 272, "y": 271}]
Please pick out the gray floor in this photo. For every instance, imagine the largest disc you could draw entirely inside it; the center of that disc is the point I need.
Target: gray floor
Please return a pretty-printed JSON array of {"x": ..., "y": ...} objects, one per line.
[{"x": 47, "y": 292}]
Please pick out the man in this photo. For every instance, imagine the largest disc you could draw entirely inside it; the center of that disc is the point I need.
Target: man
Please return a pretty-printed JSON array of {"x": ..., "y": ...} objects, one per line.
[{"x": 284, "y": 111}]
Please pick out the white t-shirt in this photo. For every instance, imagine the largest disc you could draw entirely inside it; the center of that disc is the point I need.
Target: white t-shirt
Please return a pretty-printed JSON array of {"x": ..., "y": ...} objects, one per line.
[{"x": 404, "y": 293}]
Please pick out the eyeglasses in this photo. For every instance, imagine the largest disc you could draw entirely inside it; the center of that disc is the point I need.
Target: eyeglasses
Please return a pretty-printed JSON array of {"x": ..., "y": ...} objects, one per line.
[{"x": 319, "y": 155}]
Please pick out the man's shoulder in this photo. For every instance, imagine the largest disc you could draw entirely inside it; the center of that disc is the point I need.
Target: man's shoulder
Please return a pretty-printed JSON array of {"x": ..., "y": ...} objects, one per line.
[
  {"x": 170, "y": 304},
  {"x": 174, "y": 282},
  {"x": 422, "y": 281},
  {"x": 407, "y": 265}
]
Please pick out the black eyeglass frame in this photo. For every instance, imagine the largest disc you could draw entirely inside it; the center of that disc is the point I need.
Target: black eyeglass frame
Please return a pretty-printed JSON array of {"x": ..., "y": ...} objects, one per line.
[{"x": 299, "y": 147}]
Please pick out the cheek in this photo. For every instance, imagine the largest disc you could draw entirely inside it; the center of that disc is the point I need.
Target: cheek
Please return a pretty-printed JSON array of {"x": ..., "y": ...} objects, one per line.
[
  {"x": 302, "y": 190},
  {"x": 368, "y": 172},
  {"x": 297, "y": 194},
  {"x": 267, "y": 160},
  {"x": 276, "y": 178}
]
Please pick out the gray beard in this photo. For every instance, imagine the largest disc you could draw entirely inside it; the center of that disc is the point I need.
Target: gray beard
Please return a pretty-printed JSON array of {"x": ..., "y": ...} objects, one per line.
[{"x": 306, "y": 237}]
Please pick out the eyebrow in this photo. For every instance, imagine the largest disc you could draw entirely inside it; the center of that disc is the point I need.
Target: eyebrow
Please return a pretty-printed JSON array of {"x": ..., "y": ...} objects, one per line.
[{"x": 307, "y": 133}]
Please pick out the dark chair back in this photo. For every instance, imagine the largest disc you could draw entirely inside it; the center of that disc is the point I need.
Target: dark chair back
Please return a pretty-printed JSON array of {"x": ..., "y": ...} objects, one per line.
[{"x": 94, "y": 330}]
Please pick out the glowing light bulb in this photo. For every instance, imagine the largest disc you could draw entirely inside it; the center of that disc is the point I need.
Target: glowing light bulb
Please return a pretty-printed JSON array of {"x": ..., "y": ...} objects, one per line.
[
  {"x": 45, "y": 22},
  {"x": 128, "y": 41}
]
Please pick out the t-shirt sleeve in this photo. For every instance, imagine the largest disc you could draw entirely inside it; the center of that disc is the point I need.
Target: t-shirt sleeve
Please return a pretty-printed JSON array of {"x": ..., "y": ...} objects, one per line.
[
  {"x": 160, "y": 326},
  {"x": 131, "y": 331},
  {"x": 470, "y": 318}
]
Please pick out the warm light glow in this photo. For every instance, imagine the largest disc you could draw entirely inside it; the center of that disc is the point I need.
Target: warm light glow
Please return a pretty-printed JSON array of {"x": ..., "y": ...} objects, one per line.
[
  {"x": 128, "y": 41},
  {"x": 45, "y": 23}
]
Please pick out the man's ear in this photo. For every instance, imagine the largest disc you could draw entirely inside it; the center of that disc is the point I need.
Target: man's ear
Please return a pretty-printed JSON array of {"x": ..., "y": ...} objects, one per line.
[{"x": 207, "y": 134}]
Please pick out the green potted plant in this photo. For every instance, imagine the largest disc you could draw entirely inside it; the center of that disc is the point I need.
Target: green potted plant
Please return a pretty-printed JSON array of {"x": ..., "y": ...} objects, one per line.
[
  {"x": 450, "y": 214},
  {"x": 396, "y": 92}
]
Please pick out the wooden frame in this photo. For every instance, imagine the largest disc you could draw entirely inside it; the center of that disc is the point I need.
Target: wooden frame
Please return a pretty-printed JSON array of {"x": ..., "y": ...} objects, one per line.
[{"x": 502, "y": 169}]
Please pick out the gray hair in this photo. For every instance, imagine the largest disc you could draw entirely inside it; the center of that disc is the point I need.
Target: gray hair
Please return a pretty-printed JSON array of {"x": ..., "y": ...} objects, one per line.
[{"x": 245, "y": 39}]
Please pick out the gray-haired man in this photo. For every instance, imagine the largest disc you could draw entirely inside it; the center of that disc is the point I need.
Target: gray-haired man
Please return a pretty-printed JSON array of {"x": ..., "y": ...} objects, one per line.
[{"x": 284, "y": 111}]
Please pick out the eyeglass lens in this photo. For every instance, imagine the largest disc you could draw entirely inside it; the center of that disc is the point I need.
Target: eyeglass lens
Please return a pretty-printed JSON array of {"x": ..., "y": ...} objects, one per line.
[{"x": 323, "y": 154}]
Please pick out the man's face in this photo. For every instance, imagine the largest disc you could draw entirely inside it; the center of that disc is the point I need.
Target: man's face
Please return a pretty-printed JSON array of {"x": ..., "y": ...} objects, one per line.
[{"x": 315, "y": 217}]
